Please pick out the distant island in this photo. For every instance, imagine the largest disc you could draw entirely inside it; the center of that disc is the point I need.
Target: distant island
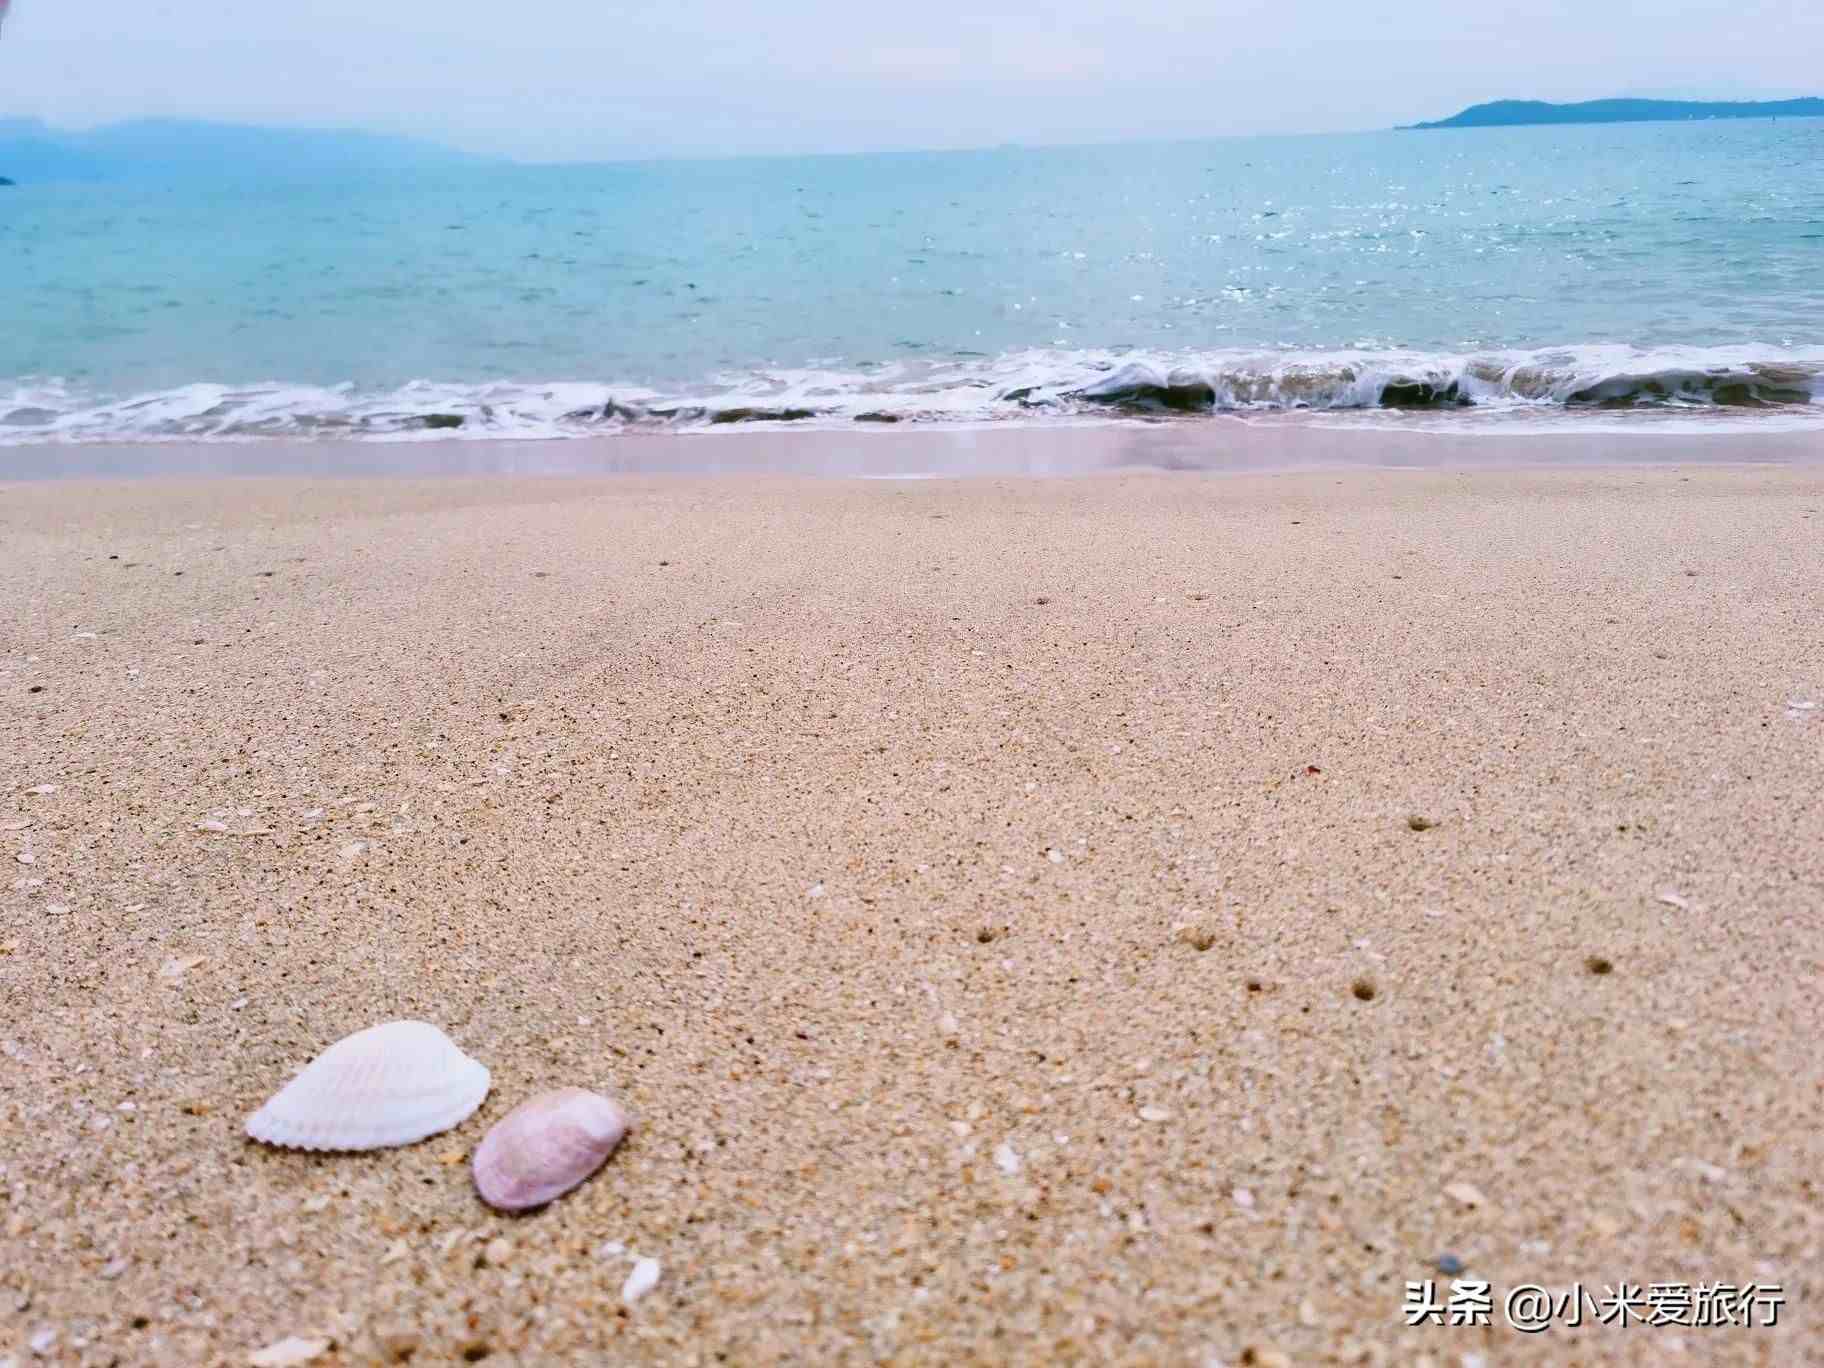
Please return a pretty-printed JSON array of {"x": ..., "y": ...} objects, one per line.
[
  {"x": 1518, "y": 113},
  {"x": 32, "y": 152}
]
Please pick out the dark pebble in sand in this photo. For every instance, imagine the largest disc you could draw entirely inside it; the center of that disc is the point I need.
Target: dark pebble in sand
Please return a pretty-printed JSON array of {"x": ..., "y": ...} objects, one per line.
[
  {"x": 1418, "y": 823},
  {"x": 1363, "y": 990},
  {"x": 1042, "y": 600},
  {"x": 1450, "y": 1264},
  {"x": 36, "y": 688},
  {"x": 1596, "y": 964}
]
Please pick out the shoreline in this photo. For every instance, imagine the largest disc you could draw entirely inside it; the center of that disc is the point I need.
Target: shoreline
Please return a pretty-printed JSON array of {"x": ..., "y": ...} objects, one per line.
[{"x": 1216, "y": 447}]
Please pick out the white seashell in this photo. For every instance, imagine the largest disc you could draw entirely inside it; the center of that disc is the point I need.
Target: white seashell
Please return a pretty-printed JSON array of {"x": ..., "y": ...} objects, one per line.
[
  {"x": 545, "y": 1147},
  {"x": 388, "y": 1085}
]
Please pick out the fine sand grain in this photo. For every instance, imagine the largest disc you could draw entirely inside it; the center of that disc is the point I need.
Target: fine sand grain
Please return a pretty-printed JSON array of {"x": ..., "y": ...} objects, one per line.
[{"x": 1141, "y": 919}]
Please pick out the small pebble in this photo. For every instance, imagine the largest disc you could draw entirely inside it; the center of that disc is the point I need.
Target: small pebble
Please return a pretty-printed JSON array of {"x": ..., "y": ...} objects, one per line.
[
  {"x": 1450, "y": 1265},
  {"x": 400, "y": 1342},
  {"x": 1197, "y": 937},
  {"x": 1155, "y": 1113},
  {"x": 1418, "y": 823}
]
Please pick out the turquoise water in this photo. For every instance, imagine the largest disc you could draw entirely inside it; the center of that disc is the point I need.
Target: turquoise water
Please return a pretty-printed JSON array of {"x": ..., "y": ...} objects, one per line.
[{"x": 1619, "y": 269}]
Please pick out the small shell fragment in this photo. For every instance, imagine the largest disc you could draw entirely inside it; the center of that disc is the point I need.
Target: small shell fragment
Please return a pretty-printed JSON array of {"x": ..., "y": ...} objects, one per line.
[
  {"x": 546, "y": 1146},
  {"x": 392, "y": 1084},
  {"x": 1465, "y": 1194},
  {"x": 289, "y": 1352},
  {"x": 643, "y": 1279}
]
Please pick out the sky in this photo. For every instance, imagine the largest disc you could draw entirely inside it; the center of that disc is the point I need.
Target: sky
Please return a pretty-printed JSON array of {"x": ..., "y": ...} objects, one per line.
[{"x": 563, "y": 80}]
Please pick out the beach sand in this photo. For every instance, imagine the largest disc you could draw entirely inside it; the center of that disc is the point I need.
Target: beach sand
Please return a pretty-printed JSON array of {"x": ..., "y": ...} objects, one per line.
[{"x": 996, "y": 899}]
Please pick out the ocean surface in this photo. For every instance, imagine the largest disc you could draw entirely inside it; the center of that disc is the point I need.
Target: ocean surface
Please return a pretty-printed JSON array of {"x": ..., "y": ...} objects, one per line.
[{"x": 1621, "y": 275}]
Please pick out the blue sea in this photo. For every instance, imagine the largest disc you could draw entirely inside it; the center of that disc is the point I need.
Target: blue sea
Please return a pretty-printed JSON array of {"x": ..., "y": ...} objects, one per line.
[{"x": 1474, "y": 277}]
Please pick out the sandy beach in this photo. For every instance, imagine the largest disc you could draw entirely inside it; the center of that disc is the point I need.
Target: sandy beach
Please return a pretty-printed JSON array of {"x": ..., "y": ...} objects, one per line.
[{"x": 1137, "y": 918}]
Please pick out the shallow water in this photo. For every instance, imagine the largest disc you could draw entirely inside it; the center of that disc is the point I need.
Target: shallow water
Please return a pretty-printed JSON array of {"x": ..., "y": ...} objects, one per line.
[{"x": 1598, "y": 270}]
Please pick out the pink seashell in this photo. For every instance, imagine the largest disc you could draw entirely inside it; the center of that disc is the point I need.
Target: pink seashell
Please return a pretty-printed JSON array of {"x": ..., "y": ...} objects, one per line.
[{"x": 546, "y": 1146}]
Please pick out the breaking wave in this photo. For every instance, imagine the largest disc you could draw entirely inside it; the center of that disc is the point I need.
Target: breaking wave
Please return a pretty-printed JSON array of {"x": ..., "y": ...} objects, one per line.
[{"x": 970, "y": 391}]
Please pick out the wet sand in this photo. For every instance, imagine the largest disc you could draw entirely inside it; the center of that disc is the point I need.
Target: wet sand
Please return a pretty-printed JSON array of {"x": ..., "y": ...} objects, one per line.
[
  {"x": 998, "y": 899},
  {"x": 1221, "y": 445}
]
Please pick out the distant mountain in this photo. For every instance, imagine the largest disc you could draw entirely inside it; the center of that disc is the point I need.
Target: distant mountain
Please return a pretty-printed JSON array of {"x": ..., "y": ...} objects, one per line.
[
  {"x": 170, "y": 149},
  {"x": 1514, "y": 113}
]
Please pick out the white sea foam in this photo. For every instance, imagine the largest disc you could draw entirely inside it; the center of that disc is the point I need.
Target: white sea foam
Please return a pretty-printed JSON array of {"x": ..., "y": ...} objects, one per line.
[{"x": 1606, "y": 385}]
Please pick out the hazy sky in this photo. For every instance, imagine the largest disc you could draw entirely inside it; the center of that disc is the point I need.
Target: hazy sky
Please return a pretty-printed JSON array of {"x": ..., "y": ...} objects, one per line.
[{"x": 563, "y": 79}]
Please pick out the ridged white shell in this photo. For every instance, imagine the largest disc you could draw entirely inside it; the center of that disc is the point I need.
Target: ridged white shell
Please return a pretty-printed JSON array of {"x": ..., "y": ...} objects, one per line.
[
  {"x": 545, "y": 1147},
  {"x": 388, "y": 1085}
]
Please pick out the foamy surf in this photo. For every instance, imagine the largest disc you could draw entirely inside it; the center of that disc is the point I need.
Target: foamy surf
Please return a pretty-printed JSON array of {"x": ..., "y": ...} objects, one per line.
[{"x": 1615, "y": 384}]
